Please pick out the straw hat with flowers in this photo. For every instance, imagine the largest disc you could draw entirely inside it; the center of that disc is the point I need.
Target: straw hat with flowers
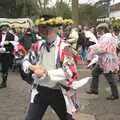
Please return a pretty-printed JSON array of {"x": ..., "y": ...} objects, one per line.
[{"x": 47, "y": 20}]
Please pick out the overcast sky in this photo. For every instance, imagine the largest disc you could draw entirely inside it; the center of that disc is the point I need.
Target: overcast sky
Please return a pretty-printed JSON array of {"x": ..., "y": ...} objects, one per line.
[
  {"x": 52, "y": 2},
  {"x": 86, "y": 1}
]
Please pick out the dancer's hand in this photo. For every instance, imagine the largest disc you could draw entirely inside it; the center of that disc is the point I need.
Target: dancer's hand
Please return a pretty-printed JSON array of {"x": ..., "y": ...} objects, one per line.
[
  {"x": 6, "y": 42},
  {"x": 2, "y": 50},
  {"x": 39, "y": 72},
  {"x": 34, "y": 67}
]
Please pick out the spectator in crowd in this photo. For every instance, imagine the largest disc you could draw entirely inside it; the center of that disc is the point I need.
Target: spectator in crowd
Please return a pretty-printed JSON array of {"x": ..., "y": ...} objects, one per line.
[
  {"x": 27, "y": 39},
  {"x": 73, "y": 37}
]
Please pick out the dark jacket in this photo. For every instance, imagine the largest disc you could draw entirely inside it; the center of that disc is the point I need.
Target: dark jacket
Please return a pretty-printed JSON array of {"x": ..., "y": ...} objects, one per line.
[
  {"x": 8, "y": 55},
  {"x": 9, "y": 37},
  {"x": 27, "y": 40}
]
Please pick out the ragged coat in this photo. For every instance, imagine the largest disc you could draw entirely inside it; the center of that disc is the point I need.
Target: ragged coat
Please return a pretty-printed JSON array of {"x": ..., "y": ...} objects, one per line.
[
  {"x": 57, "y": 59},
  {"x": 106, "y": 50}
]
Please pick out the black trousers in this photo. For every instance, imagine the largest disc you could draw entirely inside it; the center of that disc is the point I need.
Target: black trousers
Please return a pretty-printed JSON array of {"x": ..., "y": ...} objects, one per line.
[
  {"x": 43, "y": 99},
  {"x": 6, "y": 62},
  {"x": 96, "y": 72}
]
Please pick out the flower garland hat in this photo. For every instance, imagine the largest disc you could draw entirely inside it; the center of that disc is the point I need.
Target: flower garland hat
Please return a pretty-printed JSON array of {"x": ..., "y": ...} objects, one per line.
[{"x": 52, "y": 21}]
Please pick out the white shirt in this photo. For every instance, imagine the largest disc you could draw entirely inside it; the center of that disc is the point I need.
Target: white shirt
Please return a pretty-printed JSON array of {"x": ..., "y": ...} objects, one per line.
[
  {"x": 91, "y": 36},
  {"x": 14, "y": 42},
  {"x": 3, "y": 39},
  {"x": 49, "y": 62}
]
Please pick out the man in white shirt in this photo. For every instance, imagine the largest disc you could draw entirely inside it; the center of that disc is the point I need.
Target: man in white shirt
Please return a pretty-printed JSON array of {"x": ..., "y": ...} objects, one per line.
[{"x": 51, "y": 71}]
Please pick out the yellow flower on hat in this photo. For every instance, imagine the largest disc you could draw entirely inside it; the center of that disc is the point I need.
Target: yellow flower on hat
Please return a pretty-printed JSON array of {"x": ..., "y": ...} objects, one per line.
[
  {"x": 50, "y": 21},
  {"x": 68, "y": 21},
  {"x": 37, "y": 22},
  {"x": 59, "y": 18},
  {"x": 42, "y": 19},
  {"x": 43, "y": 23},
  {"x": 54, "y": 21}
]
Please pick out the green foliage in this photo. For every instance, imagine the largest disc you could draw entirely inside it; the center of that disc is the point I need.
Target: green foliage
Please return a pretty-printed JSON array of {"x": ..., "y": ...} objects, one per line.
[
  {"x": 31, "y": 8},
  {"x": 116, "y": 23},
  {"x": 62, "y": 9},
  {"x": 104, "y": 7},
  {"x": 34, "y": 8},
  {"x": 75, "y": 11},
  {"x": 18, "y": 8},
  {"x": 88, "y": 14}
]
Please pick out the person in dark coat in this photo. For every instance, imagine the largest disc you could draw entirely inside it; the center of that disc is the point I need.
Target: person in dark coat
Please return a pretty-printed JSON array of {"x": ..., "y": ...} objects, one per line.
[
  {"x": 6, "y": 50},
  {"x": 28, "y": 39}
]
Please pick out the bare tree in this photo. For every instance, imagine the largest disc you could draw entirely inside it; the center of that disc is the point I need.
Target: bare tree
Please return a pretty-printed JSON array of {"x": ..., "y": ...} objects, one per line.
[{"x": 75, "y": 15}]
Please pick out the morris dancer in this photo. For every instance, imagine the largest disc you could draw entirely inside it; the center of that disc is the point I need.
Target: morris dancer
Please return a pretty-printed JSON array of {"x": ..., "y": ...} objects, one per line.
[
  {"x": 107, "y": 62},
  {"x": 53, "y": 68},
  {"x": 6, "y": 50}
]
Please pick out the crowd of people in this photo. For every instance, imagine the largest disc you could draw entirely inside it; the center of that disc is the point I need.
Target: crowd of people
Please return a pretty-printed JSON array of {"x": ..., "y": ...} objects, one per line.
[
  {"x": 100, "y": 50},
  {"x": 49, "y": 55}
]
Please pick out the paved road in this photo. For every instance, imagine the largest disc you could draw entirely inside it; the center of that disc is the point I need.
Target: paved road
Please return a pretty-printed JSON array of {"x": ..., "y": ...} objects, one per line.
[
  {"x": 98, "y": 105},
  {"x": 14, "y": 102}
]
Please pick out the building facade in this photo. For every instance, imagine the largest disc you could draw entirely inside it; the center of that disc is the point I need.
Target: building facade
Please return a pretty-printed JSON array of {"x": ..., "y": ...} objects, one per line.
[{"x": 115, "y": 11}]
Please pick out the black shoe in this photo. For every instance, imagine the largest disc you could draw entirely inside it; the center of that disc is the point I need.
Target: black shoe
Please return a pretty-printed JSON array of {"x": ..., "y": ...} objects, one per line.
[
  {"x": 92, "y": 92},
  {"x": 3, "y": 86},
  {"x": 112, "y": 98}
]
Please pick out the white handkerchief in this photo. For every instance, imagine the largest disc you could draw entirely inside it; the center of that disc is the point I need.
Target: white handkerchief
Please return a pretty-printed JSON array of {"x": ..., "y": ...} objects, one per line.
[
  {"x": 94, "y": 60},
  {"x": 57, "y": 74},
  {"x": 33, "y": 94},
  {"x": 80, "y": 83}
]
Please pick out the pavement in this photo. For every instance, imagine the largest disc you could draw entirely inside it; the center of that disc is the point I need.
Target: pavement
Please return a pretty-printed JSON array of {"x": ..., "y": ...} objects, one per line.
[
  {"x": 14, "y": 101},
  {"x": 98, "y": 106}
]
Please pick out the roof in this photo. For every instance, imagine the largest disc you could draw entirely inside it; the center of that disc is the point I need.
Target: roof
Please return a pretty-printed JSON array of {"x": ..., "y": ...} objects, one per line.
[
  {"x": 115, "y": 7},
  {"x": 19, "y": 22}
]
